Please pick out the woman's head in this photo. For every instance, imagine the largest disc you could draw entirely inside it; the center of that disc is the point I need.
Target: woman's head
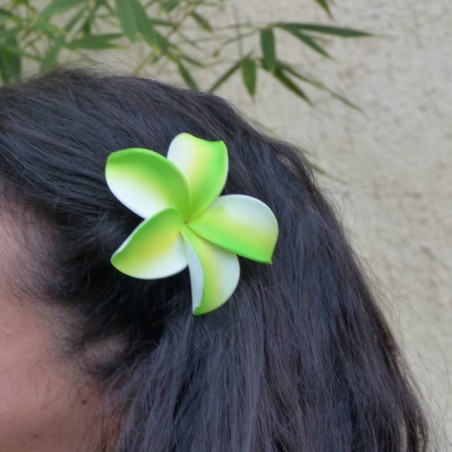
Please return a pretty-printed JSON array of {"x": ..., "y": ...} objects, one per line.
[{"x": 299, "y": 358}]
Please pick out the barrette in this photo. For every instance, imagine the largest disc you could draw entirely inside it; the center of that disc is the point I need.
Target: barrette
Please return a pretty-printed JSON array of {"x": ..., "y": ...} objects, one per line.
[{"x": 185, "y": 220}]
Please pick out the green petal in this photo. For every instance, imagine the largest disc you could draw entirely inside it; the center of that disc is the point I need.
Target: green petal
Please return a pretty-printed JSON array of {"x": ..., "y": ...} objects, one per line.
[
  {"x": 241, "y": 224},
  {"x": 146, "y": 182},
  {"x": 204, "y": 165},
  {"x": 155, "y": 249},
  {"x": 214, "y": 273}
]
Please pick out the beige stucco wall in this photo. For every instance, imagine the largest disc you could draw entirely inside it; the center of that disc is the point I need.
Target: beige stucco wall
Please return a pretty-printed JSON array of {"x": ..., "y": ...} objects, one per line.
[{"x": 394, "y": 161}]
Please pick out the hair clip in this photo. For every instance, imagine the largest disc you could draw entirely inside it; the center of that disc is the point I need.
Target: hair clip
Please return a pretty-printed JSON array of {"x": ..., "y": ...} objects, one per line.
[{"x": 186, "y": 221}]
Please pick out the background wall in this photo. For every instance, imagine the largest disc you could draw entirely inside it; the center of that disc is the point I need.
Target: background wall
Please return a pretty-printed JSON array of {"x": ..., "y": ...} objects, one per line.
[{"x": 391, "y": 165}]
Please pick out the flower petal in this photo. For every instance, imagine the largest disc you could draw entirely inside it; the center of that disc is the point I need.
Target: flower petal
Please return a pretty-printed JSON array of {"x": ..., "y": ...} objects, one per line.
[
  {"x": 214, "y": 273},
  {"x": 146, "y": 182},
  {"x": 204, "y": 165},
  {"x": 241, "y": 224},
  {"x": 155, "y": 249}
]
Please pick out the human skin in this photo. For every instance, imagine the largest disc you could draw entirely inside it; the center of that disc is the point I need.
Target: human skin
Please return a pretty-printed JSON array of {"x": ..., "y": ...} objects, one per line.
[{"x": 46, "y": 404}]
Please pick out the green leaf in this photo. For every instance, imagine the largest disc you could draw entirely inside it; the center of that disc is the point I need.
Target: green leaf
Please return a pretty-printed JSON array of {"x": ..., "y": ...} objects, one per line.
[
  {"x": 318, "y": 84},
  {"x": 324, "y": 5},
  {"x": 6, "y": 34},
  {"x": 303, "y": 37},
  {"x": 145, "y": 26},
  {"x": 225, "y": 76},
  {"x": 44, "y": 26},
  {"x": 74, "y": 19},
  {"x": 304, "y": 78},
  {"x": 126, "y": 14},
  {"x": 249, "y": 75},
  {"x": 330, "y": 30},
  {"x": 345, "y": 101},
  {"x": 5, "y": 15},
  {"x": 95, "y": 42},
  {"x": 201, "y": 21},
  {"x": 268, "y": 48},
  {"x": 290, "y": 85},
  {"x": 86, "y": 28},
  {"x": 188, "y": 79},
  {"x": 191, "y": 60},
  {"x": 161, "y": 22},
  {"x": 57, "y": 7},
  {"x": 50, "y": 59},
  {"x": 18, "y": 51},
  {"x": 10, "y": 62},
  {"x": 169, "y": 5}
]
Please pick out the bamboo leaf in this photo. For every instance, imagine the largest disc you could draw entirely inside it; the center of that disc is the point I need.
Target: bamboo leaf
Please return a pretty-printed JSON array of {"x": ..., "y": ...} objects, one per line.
[
  {"x": 291, "y": 85},
  {"x": 310, "y": 41},
  {"x": 268, "y": 48},
  {"x": 304, "y": 78},
  {"x": 329, "y": 30},
  {"x": 86, "y": 28},
  {"x": 146, "y": 28},
  {"x": 6, "y": 34},
  {"x": 169, "y": 5},
  {"x": 201, "y": 21},
  {"x": 50, "y": 59},
  {"x": 318, "y": 84},
  {"x": 191, "y": 60},
  {"x": 324, "y": 5},
  {"x": 18, "y": 51},
  {"x": 95, "y": 42},
  {"x": 345, "y": 101},
  {"x": 10, "y": 62},
  {"x": 73, "y": 20},
  {"x": 249, "y": 74},
  {"x": 187, "y": 77},
  {"x": 160, "y": 22},
  {"x": 45, "y": 27},
  {"x": 126, "y": 15},
  {"x": 57, "y": 7},
  {"x": 5, "y": 15},
  {"x": 234, "y": 68}
]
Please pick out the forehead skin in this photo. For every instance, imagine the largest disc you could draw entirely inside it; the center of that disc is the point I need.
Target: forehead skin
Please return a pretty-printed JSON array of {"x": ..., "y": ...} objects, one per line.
[{"x": 43, "y": 405}]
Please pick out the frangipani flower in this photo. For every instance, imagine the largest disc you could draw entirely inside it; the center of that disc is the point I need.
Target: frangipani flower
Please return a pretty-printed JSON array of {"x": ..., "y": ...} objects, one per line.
[{"x": 186, "y": 222}]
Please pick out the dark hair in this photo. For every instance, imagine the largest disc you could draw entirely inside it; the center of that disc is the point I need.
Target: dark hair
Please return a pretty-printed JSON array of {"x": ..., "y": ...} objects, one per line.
[{"x": 299, "y": 359}]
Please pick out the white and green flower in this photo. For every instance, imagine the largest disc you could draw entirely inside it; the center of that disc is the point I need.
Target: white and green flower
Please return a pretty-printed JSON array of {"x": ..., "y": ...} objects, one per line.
[{"x": 186, "y": 222}]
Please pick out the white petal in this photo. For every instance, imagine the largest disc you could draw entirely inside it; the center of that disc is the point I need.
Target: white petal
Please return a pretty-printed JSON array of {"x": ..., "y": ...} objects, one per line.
[
  {"x": 240, "y": 224},
  {"x": 146, "y": 182},
  {"x": 204, "y": 165},
  {"x": 214, "y": 273},
  {"x": 155, "y": 249}
]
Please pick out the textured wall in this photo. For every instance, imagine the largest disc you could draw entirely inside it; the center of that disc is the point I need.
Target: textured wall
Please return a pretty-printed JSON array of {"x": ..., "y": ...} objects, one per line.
[{"x": 394, "y": 161}]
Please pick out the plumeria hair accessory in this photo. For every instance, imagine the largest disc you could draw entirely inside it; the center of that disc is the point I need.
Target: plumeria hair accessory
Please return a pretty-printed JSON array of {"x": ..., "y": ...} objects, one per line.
[{"x": 186, "y": 222}]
